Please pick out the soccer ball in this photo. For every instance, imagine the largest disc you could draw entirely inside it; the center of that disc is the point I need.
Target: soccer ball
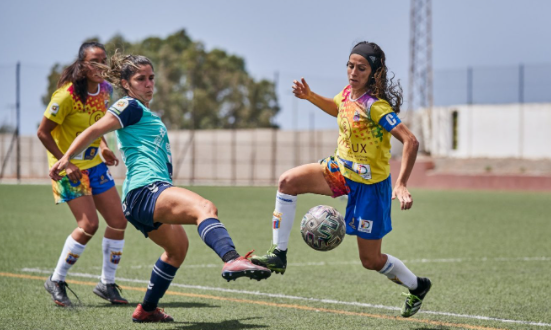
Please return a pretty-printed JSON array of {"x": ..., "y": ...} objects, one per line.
[{"x": 323, "y": 228}]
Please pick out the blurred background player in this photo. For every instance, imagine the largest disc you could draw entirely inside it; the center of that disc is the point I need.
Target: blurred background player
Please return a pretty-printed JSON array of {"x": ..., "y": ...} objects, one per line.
[
  {"x": 81, "y": 99},
  {"x": 150, "y": 202},
  {"x": 366, "y": 112}
]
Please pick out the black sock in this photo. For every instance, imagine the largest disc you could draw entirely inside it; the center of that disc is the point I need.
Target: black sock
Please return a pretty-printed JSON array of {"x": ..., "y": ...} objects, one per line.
[
  {"x": 281, "y": 254},
  {"x": 230, "y": 256},
  {"x": 421, "y": 286},
  {"x": 149, "y": 306}
]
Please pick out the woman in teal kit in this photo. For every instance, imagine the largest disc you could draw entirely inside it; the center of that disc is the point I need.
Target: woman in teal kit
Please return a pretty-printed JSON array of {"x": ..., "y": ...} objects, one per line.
[{"x": 150, "y": 202}]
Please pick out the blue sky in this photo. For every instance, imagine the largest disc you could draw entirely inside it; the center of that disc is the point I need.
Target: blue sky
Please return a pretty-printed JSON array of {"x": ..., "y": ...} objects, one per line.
[{"x": 308, "y": 38}]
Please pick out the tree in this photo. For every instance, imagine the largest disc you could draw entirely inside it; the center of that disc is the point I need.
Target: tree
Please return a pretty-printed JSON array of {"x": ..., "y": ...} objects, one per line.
[{"x": 196, "y": 88}]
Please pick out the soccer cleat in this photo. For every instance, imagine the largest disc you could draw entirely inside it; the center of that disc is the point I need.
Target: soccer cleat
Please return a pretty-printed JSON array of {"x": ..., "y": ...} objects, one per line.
[
  {"x": 158, "y": 315},
  {"x": 58, "y": 291},
  {"x": 242, "y": 266},
  {"x": 110, "y": 292},
  {"x": 274, "y": 260},
  {"x": 414, "y": 301}
]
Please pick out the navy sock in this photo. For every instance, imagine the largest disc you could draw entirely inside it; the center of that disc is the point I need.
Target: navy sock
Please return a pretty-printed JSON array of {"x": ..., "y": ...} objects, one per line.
[
  {"x": 161, "y": 277},
  {"x": 215, "y": 235}
]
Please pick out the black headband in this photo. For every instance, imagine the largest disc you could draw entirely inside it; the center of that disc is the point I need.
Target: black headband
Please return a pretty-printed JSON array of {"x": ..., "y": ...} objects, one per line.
[{"x": 368, "y": 52}]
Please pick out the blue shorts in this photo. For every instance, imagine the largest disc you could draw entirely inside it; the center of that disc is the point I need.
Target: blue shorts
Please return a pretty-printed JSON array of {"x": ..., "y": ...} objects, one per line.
[
  {"x": 94, "y": 181},
  {"x": 368, "y": 210},
  {"x": 139, "y": 205}
]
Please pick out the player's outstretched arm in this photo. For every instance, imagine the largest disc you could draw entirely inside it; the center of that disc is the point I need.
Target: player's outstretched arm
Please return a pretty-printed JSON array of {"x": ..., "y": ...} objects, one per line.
[
  {"x": 105, "y": 125},
  {"x": 409, "y": 154},
  {"x": 302, "y": 91}
]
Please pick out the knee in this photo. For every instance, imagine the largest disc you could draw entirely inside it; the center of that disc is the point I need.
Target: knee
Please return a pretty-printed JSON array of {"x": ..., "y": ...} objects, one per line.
[
  {"x": 90, "y": 227},
  {"x": 286, "y": 184},
  {"x": 372, "y": 263},
  {"x": 207, "y": 209},
  {"x": 177, "y": 254}
]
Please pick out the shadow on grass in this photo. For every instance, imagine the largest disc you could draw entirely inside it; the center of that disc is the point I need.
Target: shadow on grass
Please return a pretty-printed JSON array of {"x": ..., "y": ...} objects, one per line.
[
  {"x": 161, "y": 305},
  {"x": 224, "y": 325}
]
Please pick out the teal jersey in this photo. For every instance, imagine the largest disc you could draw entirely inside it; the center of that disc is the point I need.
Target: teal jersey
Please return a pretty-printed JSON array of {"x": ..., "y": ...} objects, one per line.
[{"x": 143, "y": 142}]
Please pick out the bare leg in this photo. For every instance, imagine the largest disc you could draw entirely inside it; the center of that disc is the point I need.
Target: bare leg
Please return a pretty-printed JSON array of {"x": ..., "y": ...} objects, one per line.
[
  {"x": 84, "y": 211},
  {"x": 173, "y": 239},
  {"x": 108, "y": 204},
  {"x": 181, "y": 206}
]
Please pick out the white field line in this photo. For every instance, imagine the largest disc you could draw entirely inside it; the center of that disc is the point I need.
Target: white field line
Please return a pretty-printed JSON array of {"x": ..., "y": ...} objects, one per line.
[
  {"x": 357, "y": 262},
  {"x": 282, "y": 296}
]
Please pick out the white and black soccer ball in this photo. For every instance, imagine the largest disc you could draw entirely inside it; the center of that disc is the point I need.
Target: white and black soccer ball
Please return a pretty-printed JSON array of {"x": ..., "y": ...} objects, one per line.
[{"x": 323, "y": 228}]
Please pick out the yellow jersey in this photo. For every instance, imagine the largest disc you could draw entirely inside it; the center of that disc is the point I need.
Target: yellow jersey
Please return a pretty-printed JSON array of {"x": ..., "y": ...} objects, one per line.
[
  {"x": 363, "y": 150},
  {"x": 73, "y": 117}
]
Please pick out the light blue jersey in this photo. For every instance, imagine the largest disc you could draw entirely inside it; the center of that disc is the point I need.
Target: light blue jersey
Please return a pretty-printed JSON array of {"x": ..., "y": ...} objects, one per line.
[{"x": 143, "y": 142}]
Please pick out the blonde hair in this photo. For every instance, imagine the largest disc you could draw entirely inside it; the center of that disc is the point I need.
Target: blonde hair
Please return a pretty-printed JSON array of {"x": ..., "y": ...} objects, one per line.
[{"x": 122, "y": 67}]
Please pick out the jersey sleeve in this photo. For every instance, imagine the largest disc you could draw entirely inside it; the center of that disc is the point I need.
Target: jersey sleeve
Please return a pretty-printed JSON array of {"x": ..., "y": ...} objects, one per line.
[
  {"x": 127, "y": 111},
  {"x": 60, "y": 106},
  {"x": 378, "y": 110}
]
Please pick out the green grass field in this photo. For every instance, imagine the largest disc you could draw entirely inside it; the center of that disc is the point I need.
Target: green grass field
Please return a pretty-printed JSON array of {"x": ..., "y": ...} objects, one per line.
[{"x": 487, "y": 253}]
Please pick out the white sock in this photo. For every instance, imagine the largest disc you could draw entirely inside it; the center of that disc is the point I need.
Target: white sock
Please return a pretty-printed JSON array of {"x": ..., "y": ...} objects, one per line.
[
  {"x": 283, "y": 218},
  {"x": 112, "y": 252},
  {"x": 69, "y": 256},
  {"x": 398, "y": 273}
]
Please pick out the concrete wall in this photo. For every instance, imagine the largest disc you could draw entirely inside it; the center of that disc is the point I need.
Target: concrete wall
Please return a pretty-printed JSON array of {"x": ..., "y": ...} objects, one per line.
[
  {"x": 490, "y": 131},
  {"x": 246, "y": 157}
]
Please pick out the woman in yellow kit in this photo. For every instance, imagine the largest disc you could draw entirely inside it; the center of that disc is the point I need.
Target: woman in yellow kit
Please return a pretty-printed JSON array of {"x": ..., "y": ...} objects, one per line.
[
  {"x": 366, "y": 113},
  {"x": 82, "y": 98}
]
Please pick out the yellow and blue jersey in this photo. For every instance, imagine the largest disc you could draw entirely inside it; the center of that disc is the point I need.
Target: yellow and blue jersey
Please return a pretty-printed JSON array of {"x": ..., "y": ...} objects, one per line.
[
  {"x": 144, "y": 145},
  {"x": 73, "y": 117},
  {"x": 363, "y": 150}
]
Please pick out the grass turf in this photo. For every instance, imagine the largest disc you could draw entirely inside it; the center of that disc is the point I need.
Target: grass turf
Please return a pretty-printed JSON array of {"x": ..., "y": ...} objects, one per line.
[{"x": 487, "y": 253}]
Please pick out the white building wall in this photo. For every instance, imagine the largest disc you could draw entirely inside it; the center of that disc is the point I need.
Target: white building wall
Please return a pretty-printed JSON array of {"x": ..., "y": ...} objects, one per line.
[{"x": 490, "y": 131}]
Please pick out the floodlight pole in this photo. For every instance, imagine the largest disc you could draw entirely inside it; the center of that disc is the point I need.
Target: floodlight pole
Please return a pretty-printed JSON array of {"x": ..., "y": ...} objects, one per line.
[{"x": 18, "y": 121}]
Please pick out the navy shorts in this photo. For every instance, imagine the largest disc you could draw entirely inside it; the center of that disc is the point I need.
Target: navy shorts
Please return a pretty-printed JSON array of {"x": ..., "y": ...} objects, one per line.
[
  {"x": 368, "y": 210},
  {"x": 139, "y": 205}
]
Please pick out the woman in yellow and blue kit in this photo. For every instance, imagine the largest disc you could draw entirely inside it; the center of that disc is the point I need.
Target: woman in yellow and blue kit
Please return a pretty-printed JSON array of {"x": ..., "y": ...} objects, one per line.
[
  {"x": 82, "y": 98},
  {"x": 366, "y": 111}
]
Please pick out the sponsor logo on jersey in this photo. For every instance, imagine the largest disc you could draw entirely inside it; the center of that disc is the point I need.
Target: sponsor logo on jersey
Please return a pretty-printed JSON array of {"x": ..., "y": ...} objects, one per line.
[
  {"x": 71, "y": 258},
  {"x": 115, "y": 257},
  {"x": 54, "y": 108},
  {"x": 120, "y": 105},
  {"x": 365, "y": 226},
  {"x": 351, "y": 223},
  {"x": 276, "y": 220},
  {"x": 90, "y": 153}
]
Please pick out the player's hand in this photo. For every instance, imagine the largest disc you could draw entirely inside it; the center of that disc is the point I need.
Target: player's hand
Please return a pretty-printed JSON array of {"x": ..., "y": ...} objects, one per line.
[
  {"x": 72, "y": 171},
  {"x": 403, "y": 195},
  {"x": 109, "y": 157},
  {"x": 301, "y": 89}
]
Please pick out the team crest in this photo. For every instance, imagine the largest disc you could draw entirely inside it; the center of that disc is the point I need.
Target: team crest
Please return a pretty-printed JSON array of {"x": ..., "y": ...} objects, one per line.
[
  {"x": 276, "y": 220},
  {"x": 54, "y": 108},
  {"x": 115, "y": 257},
  {"x": 365, "y": 226},
  {"x": 71, "y": 258}
]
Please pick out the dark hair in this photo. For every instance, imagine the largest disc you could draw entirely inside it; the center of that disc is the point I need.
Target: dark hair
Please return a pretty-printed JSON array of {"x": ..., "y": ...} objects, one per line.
[
  {"x": 124, "y": 67},
  {"x": 378, "y": 85},
  {"x": 76, "y": 72}
]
